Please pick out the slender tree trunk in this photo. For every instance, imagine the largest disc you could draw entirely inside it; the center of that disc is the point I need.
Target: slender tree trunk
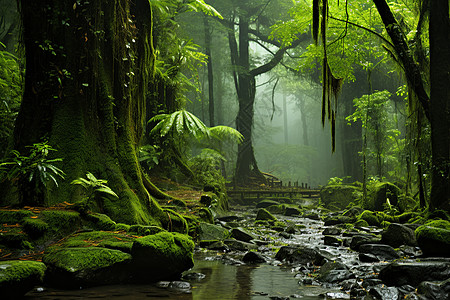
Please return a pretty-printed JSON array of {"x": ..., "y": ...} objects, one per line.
[
  {"x": 80, "y": 94},
  {"x": 286, "y": 135},
  {"x": 440, "y": 104},
  {"x": 208, "y": 38},
  {"x": 304, "y": 122}
]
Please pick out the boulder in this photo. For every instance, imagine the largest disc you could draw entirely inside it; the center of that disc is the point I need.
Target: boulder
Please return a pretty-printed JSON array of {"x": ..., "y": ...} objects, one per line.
[
  {"x": 370, "y": 217},
  {"x": 208, "y": 231},
  {"x": 331, "y": 240},
  {"x": 17, "y": 277},
  {"x": 242, "y": 234},
  {"x": 380, "y": 193},
  {"x": 161, "y": 256},
  {"x": 339, "y": 196},
  {"x": 434, "y": 290},
  {"x": 383, "y": 252},
  {"x": 253, "y": 257},
  {"x": 76, "y": 267},
  {"x": 276, "y": 209},
  {"x": 434, "y": 238},
  {"x": 264, "y": 215},
  {"x": 396, "y": 235},
  {"x": 300, "y": 255},
  {"x": 415, "y": 272},
  {"x": 292, "y": 211},
  {"x": 361, "y": 239},
  {"x": 239, "y": 245},
  {"x": 333, "y": 272},
  {"x": 266, "y": 203}
]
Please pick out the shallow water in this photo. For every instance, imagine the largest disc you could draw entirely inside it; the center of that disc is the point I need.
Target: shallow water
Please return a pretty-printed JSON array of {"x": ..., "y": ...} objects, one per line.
[{"x": 225, "y": 280}]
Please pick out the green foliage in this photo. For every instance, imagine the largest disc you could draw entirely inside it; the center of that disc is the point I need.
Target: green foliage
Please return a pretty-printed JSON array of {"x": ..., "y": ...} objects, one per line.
[
  {"x": 96, "y": 190},
  {"x": 336, "y": 180},
  {"x": 207, "y": 167},
  {"x": 149, "y": 156},
  {"x": 11, "y": 84},
  {"x": 34, "y": 172}
]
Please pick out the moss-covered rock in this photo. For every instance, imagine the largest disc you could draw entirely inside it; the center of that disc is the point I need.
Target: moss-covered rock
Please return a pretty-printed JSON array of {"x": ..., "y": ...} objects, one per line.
[
  {"x": 266, "y": 203},
  {"x": 206, "y": 215},
  {"x": 122, "y": 227},
  {"x": 13, "y": 216},
  {"x": 406, "y": 203},
  {"x": 434, "y": 238},
  {"x": 35, "y": 227},
  {"x": 61, "y": 222},
  {"x": 264, "y": 215},
  {"x": 208, "y": 231},
  {"x": 339, "y": 196},
  {"x": 17, "y": 277},
  {"x": 276, "y": 209},
  {"x": 173, "y": 221},
  {"x": 143, "y": 230},
  {"x": 379, "y": 193},
  {"x": 101, "y": 221},
  {"x": 12, "y": 237},
  {"x": 162, "y": 256},
  {"x": 361, "y": 223},
  {"x": 370, "y": 217},
  {"x": 86, "y": 266}
]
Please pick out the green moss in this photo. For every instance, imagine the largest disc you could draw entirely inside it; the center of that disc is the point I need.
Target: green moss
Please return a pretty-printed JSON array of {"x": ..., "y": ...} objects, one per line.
[
  {"x": 435, "y": 229},
  {"x": 175, "y": 222},
  {"x": 361, "y": 223},
  {"x": 35, "y": 227},
  {"x": 205, "y": 215},
  {"x": 143, "y": 230},
  {"x": 11, "y": 216},
  {"x": 122, "y": 227},
  {"x": 61, "y": 222},
  {"x": 167, "y": 245},
  {"x": 276, "y": 209},
  {"x": 12, "y": 237},
  {"x": 18, "y": 270},
  {"x": 76, "y": 259},
  {"x": 101, "y": 221},
  {"x": 264, "y": 215},
  {"x": 193, "y": 223},
  {"x": 382, "y": 216},
  {"x": 103, "y": 239},
  {"x": 406, "y": 203},
  {"x": 370, "y": 217}
]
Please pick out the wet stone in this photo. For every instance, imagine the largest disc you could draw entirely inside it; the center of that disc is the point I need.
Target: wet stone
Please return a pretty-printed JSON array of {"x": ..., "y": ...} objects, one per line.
[
  {"x": 253, "y": 257},
  {"x": 242, "y": 234},
  {"x": 331, "y": 231},
  {"x": 362, "y": 239},
  {"x": 435, "y": 290},
  {"x": 366, "y": 257},
  {"x": 330, "y": 240},
  {"x": 397, "y": 234},
  {"x": 194, "y": 276},
  {"x": 383, "y": 252},
  {"x": 383, "y": 292}
]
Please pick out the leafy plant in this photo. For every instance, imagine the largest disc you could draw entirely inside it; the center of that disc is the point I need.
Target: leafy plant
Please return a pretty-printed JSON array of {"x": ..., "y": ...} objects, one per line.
[
  {"x": 149, "y": 156},
  {"x": 96, "y": 189},
  {"x": 32, "y": 173}
]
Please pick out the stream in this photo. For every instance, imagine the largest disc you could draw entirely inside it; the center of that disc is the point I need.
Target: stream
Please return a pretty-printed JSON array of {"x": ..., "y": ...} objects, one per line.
[{"x": 223, "y": 275}]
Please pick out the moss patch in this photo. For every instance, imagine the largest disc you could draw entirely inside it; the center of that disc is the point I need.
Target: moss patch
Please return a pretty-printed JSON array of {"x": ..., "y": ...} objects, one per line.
[
  {"x": 370, "y": 217},
  {"x": 18, "y": 277},
  {"x": 61, "y": 222},
  {"x": 264, "y": 215},
  {"x": 434, "y": 238},
  {"x": 14, "y": 216},
  {"x": 35, "y": 227}
]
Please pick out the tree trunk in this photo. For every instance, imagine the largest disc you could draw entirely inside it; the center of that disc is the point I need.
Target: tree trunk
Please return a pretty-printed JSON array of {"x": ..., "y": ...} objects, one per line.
[
  {"x": 440, "y": 104},
  {"x": 285, "y": 121},
  {"x": 81, "y": 94},
  {"x": 208, "y": 38}
]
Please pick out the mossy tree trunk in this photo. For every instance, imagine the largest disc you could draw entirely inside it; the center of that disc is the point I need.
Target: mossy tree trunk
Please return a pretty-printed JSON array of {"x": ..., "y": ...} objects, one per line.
[{"x": 84, "y": 91}]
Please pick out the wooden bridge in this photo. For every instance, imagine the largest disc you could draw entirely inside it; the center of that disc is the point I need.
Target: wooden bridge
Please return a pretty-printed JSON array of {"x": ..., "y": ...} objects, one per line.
[{"x": 274, "y": 192}]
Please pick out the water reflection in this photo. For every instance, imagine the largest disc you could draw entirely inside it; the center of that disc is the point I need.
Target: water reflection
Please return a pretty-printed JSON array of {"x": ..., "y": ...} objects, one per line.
[{"x": 222, "y": 281}]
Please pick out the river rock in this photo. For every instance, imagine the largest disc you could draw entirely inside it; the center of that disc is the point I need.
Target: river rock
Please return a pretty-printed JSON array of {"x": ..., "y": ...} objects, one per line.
[
  {"x": 397, "y": 234},
  {"x": 383, "y": 292},
  {"x": 208, "y": 231},
  {"x": 338, "y": 220},
  {"x": 218, "y": 246},
  {"x": 242, "y": 234},
  {"x": 253, "y": 257},
  {"x": 367, "y": 257},
  {"x": 339, "y": 196},
  {"x": 266, "y": 203},
  {"x": 434, "y": 290},
  {"x": 333, "y": 272},
  {"x": 264, "y": 215},
  {"x": 239, "y": 245},
  {"x": 383, "y": 252},
  {"x": 291, "y": 229},
  {"x": 434, "y": 238},
  {"x": 161, "y": 256},
  {"x": 361, "y": 239},
  {"x": 415, "y": 272},
  {"x": 330, "y": 240},
  {"x": 331, "y": 231},
  {"x": 292, "y": 211},
  {"x": 301, "y": 255},
  {"x": 86, "y": 266},
  {"x": 380, "y": 193},
  {"x": 17, "y": 277}
]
